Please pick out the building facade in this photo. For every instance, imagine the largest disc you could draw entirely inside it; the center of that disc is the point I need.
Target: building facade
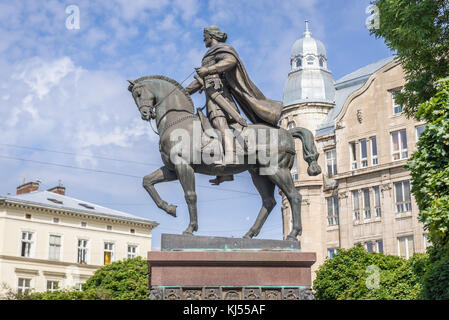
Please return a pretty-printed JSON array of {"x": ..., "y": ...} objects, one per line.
[
  {"x": 49, "y": 240},
  {"x": 364, "y": 140}
]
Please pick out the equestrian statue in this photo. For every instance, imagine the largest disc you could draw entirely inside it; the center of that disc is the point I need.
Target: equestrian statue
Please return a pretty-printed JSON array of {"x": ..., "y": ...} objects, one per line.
[{"x": 222, "y": 143}]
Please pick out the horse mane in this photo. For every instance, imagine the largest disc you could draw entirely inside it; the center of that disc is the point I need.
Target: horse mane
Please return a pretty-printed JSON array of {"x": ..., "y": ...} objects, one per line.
[{"x": 173, "y": 82}]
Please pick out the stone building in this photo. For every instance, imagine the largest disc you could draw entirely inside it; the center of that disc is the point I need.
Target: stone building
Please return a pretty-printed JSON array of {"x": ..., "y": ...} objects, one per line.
[
  {"x": 49, "y": 240},
  {"x": 364, "y": 140}
]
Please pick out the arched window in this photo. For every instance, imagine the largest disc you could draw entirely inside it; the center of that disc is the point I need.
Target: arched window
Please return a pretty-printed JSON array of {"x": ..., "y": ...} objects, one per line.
[
  {"x": 310, "y": 60},
  {"x": 291, "y": 125},
  {"x": 299, "y": 63},
  {"x": 321, "y": 62}
]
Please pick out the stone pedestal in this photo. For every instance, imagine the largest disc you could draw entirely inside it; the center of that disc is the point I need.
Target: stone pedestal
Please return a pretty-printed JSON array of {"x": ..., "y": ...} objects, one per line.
[{"x": 217, "y": 269}]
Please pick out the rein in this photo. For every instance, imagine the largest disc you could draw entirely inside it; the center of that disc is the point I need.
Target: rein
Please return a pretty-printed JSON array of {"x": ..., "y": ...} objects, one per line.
[{"x": 153, "y": 108}]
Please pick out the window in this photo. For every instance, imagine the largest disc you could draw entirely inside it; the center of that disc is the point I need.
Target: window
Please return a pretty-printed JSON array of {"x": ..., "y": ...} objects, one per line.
[
  {"x": 56, "y": 220},
  {"x": 369, "y": 246},
  {"x": 52, "y": 285},
  {"x": 27, "y": 244},
  {"x": 419, "y": 131},
  {"x": 397, "y": 109},
  {"x": 109, "y": 228},
  {"x": 406, "y": 247},
  {"x": 379, "y": 246},
  {"x": 331, "y": 159},
  {"x": 332, "y": 211},
  {"x": 83, "y": 224},
  {"x": 291, "y": 125},
  {"x": 403, "y": 199},
  {"x": 321, "y": 62},
  {"x": 332, "y": 252},
  {"x": 132, "y": 231},
  {"x": 28, "y": 216},
  {"x": 24, "y": 286},
  {"x": 78, "y": 286},
  {"x": 108, "y": 253},
  {"x": 132, "y": 251},
  {"x": 299, "y": 63},
  {"x": 356, "y": 205},
  {"x": 366, "y": 204},
  {"x": 82, "y": 251},
  {"x": 54, "y": 249},
  {"x": 294, "y": 171},
  {"x": 310, "y": 60},
  {"x": 377, "y": 201},
  {"x": 374, "y": 159},
  {"x": 399, "y": 139},
  {"x": 364, "y": 153},
  {"x": 353, "y": 155}
]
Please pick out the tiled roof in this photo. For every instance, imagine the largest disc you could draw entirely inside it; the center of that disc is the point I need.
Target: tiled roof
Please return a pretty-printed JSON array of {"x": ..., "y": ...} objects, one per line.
[{"x": 56, "y": 201}]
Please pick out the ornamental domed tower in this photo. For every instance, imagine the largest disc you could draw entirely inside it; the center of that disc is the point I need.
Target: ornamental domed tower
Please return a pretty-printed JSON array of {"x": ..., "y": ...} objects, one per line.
[
  {"x": 309, "y": 80},
  {"x": 309, "y": 96}
]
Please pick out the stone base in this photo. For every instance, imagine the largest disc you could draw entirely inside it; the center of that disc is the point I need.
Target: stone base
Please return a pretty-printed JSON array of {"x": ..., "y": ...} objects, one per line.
[
  {"x": 178, "y": 242},
  {"x": 205, "y": 268},
  {"x": 238, "y": 274},
  {"x": 231, "y": 293}
]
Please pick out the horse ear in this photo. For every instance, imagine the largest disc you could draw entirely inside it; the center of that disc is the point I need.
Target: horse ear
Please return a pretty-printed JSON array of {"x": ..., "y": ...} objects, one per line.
[{"x": 131, "y": 85}]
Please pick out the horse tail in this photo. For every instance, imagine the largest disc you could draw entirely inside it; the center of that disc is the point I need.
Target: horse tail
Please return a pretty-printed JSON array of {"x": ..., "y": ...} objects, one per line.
[{"x": 309, "y": 151}]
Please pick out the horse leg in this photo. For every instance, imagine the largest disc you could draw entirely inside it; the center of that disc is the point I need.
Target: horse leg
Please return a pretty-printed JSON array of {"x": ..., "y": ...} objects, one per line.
[
  {"x": 283, "y": 179},
  {"x": 160, "y": 175},
  {"x": 186, "y": 176},
  {"x": 266, "y": 191}
]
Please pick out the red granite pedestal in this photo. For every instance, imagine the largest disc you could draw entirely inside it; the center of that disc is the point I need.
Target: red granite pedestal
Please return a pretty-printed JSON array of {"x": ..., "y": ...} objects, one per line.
[{"x": 209, "y": 274}]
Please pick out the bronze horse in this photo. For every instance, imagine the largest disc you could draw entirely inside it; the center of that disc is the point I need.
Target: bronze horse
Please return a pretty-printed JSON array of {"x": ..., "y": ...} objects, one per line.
[{"x": 166, "y": 101}]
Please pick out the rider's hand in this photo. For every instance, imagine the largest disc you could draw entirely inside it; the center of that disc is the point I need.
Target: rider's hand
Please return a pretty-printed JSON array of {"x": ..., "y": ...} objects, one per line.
[{"x": 202, "y": 71}]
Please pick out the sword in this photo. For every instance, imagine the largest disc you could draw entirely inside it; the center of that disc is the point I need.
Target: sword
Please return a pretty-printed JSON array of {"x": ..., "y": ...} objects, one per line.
[{"x": 222, "y": 102}]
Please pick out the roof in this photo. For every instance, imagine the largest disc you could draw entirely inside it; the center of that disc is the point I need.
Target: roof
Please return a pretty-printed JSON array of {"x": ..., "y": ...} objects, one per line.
[
  {"x": 56, "y": 201},
  {"x": 344, "y": 87}
]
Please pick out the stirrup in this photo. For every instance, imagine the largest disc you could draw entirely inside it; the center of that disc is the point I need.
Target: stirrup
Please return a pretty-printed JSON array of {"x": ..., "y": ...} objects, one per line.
[{"x": 221, "y": 179}]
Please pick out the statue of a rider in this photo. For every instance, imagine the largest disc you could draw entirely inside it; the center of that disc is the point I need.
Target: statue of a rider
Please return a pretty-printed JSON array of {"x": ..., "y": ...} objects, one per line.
[{"x": 223, "y": 77}]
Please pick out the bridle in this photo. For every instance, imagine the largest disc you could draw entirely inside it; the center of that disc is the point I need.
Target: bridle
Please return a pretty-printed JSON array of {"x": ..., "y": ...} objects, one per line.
[{"x": 153, "y": 108}]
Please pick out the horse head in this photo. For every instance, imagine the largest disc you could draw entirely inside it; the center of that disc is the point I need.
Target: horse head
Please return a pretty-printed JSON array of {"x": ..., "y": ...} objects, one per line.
[{"x": 144, "y": 98}]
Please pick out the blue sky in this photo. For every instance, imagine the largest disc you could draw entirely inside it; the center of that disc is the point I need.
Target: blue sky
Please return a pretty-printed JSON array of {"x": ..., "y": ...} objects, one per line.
[{"x": 65, "y": 90}]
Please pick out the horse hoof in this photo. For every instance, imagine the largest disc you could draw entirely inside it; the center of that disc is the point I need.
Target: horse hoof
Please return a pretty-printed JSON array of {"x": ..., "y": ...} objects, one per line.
[
  {"x": 187, "y": 233},
  {"x": 171, "y": 210}
]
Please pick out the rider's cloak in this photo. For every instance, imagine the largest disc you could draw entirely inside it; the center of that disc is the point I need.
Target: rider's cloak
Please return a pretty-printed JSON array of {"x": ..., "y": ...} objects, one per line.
[{"x": 251, "y": 100}]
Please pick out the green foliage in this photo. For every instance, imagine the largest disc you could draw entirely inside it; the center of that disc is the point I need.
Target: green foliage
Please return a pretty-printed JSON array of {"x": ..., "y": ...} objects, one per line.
[
  {"x": 418, "y": 32},
  {"x": 121, "y": 280},
  {"x": 62, "y": 295},
  {"x": 355, "y": 274},
  {"x": 436, "y": 278},
  {"x": 429, "y": 167}
]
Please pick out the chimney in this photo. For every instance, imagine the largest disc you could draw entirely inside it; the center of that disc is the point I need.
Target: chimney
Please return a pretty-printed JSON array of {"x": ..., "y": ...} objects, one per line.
[
  {"x": 59, "y": 189},
  {"x": 28, "y": 187}
]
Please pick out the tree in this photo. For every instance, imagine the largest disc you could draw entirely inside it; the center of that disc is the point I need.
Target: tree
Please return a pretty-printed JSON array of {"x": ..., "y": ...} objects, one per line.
[
  {"x": 355, "y": 274},
  {"x": 429, "y": 167},
  {"x": 418, "y": 31},
  {"x": 121, "y": 280}
]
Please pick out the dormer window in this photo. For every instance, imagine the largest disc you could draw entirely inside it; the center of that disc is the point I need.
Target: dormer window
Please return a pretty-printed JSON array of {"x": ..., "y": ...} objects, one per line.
[
  {"x": 321, "y": 62},
  {"x": 310, "y": 60},
  {"x": 299, "y": 63}
]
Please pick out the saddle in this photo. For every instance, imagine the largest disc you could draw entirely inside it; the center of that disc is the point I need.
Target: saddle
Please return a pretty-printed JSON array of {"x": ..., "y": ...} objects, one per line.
[{"x": 207, "y": 139}]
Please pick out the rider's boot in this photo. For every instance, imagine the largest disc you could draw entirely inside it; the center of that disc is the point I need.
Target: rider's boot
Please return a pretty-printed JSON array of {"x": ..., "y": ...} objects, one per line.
[{"x": 221, "y": 164}]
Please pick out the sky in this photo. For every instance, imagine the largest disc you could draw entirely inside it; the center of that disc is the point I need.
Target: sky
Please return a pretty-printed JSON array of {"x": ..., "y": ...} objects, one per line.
[{"x": 67, "y": 115}]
